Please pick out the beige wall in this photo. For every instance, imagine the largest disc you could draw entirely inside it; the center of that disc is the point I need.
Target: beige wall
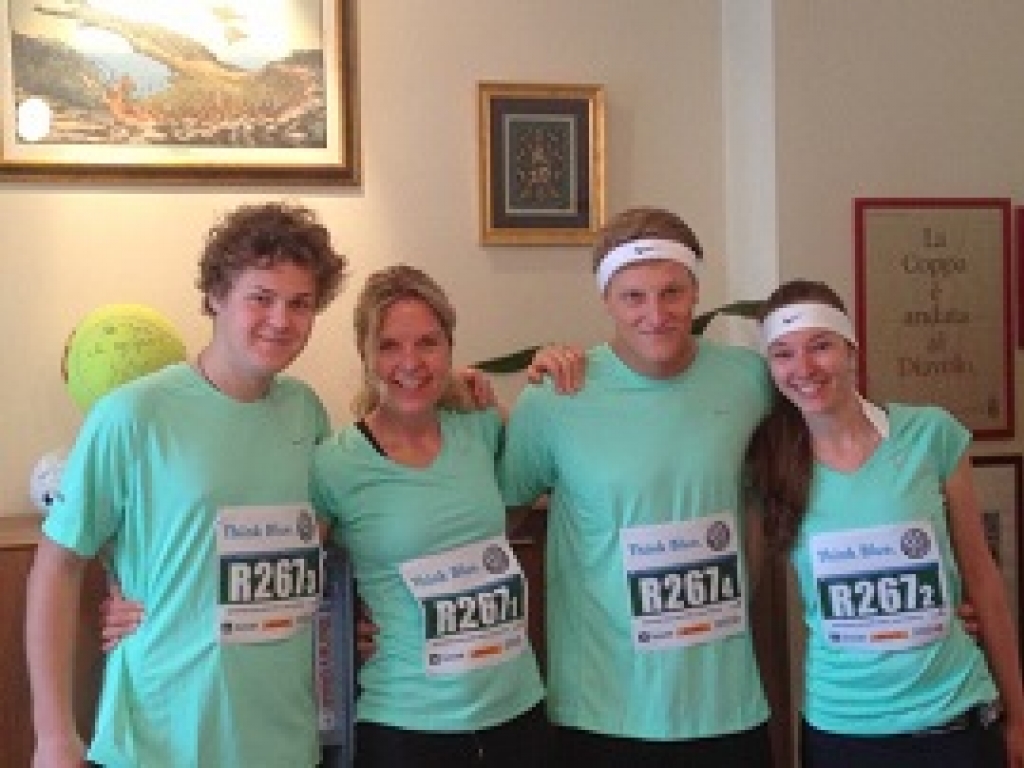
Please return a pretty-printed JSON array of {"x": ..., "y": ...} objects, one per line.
[
  {"x": 65, "y": 250},
  {"x": 913, "y": 98},
  {"x": 919, "y": 98}
]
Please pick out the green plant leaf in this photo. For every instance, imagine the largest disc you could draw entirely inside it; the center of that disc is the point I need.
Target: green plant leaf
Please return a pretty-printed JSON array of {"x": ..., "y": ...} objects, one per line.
[
  {"x": 510, "y": 363},
  {"x": 748, "y": 308}
]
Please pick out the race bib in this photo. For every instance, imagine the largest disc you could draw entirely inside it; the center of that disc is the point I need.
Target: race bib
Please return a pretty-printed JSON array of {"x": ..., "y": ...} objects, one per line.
[
  {"x": 880, "y": 589},
  {"x": 683, "y": 582},
  {"x": 473, "y": 602},
  {"x": 269, "y": 572}
]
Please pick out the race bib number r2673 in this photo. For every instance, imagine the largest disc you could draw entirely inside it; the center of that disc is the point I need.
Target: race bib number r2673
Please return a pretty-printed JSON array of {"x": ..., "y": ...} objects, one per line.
[{"x": 269, "y": 569}]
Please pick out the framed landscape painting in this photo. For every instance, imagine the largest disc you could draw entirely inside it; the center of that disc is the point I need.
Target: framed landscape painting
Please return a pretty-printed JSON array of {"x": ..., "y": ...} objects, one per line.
[{"x": 186, "y": 91}]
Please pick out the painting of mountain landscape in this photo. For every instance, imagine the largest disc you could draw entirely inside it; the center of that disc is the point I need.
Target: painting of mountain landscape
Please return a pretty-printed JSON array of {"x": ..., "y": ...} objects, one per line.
[{"x": 192, "y": 78}]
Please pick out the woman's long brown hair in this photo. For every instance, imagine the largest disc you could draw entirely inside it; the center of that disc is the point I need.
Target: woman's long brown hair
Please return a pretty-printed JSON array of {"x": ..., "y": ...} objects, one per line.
[{"x": 779, "y": 462}]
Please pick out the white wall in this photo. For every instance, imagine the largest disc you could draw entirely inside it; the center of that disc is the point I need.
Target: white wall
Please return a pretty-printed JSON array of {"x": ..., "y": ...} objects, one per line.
[
  {"x": 912, "y": 99},
  {"x": 65, "y": 250}
]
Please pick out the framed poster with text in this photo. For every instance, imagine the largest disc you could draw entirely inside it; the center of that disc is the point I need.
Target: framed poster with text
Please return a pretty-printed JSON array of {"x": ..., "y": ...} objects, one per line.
[{"x": 934, "y": 306}]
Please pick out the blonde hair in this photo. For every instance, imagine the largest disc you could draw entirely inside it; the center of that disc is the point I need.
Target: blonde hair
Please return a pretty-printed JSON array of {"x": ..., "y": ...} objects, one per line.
[
  {"x": 641, "y": 224},
  {"x": 380, "y": 292}
]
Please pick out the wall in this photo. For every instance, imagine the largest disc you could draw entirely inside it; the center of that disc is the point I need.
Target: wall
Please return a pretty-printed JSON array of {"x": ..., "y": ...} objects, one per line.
[
  {"x": 65, "y": 250},
  {"x": 912, "y": 98},
  {"x": 916, "y": 99}
]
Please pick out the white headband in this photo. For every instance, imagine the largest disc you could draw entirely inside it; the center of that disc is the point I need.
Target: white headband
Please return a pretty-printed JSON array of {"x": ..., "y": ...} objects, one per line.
[
  {"x": 797, "y": 317},
  {"x": 643, "y": 250}
]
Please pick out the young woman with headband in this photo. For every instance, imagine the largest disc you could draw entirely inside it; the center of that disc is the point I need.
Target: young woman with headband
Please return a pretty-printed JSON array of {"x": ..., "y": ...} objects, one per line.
[{"x": 877, "y": 512}]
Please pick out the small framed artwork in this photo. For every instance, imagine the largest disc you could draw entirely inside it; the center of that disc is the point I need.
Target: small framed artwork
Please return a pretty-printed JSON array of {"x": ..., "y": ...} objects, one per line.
[
  {"x": 182, "y": 92},
  {"x": 997, "y": 480},
  {"x": 934, "y": 307},
  {"x": 541, "y": 163}
]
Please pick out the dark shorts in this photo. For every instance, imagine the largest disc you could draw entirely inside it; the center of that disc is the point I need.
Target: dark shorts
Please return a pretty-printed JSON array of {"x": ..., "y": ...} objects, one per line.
[
  {"x": 973, "y": 740},
  {"x": 520, "y": 743},
  {"x": 749, "y": 749}
]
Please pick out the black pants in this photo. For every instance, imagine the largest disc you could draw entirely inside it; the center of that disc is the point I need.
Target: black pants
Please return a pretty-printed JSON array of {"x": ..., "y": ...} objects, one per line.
[
  {"x": 520, "y": 743},
  {"x": 976, "y": 746},
  {"x": 746, "y": 749}
]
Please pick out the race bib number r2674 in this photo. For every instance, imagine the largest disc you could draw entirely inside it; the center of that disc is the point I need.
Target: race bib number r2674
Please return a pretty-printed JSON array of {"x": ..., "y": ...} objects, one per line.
[{"x": 683, "y": 581}]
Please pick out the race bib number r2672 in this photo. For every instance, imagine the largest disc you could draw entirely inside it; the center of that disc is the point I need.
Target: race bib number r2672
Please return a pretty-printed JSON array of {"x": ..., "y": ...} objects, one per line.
[{"x": 880, "y": 588}]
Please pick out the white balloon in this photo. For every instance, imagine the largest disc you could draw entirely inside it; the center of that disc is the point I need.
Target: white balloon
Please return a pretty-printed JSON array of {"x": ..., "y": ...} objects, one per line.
[{"x": 44, "y": 481}]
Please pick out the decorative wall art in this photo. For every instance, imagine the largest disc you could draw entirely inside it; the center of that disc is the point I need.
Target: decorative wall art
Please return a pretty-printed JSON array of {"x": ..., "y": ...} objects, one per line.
[
  {"x": 541, "y": 163},
  {"x": 998, "y": 483},
  {"x": 934, "y": 307},
  {"x": 184, "y": 91}
]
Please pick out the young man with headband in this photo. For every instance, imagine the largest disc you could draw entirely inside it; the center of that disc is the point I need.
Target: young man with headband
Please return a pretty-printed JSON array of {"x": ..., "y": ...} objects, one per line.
[{"x": 650, "y": 654}]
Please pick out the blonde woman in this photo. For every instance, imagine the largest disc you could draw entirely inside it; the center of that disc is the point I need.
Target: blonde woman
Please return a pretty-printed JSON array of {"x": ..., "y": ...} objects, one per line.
[{"x": 411, "y": 490}]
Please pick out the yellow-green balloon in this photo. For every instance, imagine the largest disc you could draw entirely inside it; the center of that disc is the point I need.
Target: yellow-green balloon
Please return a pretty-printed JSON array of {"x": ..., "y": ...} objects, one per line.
[{"x": 115, "y": 344}]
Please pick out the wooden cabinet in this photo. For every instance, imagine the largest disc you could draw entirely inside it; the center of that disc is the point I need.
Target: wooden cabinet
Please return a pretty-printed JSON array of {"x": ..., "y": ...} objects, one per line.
[{"x": 18, "y": 537}]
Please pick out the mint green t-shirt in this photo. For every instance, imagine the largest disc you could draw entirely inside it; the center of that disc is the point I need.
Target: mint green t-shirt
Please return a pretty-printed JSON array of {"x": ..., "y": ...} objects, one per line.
[
  {"x": 625, "y": 453},
  {"x": 896, "y": 496},
  {"x": 386, "y": 514},
  {"x": 153, "y": 464}
]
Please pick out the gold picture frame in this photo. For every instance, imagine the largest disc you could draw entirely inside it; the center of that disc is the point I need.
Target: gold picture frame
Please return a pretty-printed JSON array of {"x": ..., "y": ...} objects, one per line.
[
  {"x": 183, "y": 92},
  {"x": 542, "y": 150}
]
